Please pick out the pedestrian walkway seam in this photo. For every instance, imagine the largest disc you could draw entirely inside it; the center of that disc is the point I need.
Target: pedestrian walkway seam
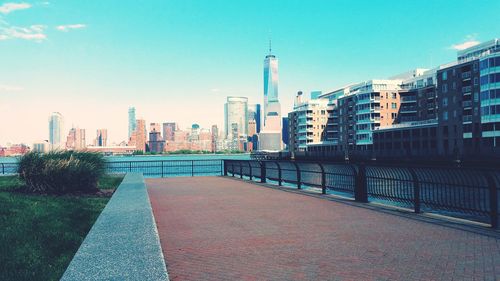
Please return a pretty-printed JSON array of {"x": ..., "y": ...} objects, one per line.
[{"x": 123, "y": 244}]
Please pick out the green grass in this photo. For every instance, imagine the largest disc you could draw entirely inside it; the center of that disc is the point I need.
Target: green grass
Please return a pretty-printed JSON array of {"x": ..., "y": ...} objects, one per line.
[
  {"x": 39, "y": 234},
  {"x": 110, "y": 181}
]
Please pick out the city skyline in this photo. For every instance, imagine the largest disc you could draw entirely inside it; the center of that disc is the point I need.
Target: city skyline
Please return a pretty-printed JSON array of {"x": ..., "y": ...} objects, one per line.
[{"x": 72, "y": 59}]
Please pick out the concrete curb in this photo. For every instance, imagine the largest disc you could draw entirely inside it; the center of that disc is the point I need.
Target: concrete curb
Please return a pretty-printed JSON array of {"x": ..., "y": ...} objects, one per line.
[{"x": 123, "y": 244}]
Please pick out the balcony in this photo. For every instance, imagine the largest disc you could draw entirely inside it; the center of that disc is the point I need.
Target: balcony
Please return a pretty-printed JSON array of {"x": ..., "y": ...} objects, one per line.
[
  {"x": 405, "y": 109},
  {"x": 408, "y": 99},
  {"x": 466, "y": 75},
  {"x": 467, "y": 104},
  {"x": 467, "y": 118},
  {"x": 466, "y": 89}
]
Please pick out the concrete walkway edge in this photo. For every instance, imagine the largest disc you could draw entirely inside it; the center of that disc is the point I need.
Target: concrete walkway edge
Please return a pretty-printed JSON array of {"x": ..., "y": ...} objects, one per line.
[{"x": 123, "y": 244}]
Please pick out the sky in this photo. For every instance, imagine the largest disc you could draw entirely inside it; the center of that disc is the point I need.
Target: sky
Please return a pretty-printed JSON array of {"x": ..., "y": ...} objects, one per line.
[{"x": 179, "y": 60}]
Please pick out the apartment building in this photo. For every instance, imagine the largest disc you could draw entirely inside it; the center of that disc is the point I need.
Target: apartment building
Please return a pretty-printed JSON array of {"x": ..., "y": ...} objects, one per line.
[{"x": 449, "y": 112}]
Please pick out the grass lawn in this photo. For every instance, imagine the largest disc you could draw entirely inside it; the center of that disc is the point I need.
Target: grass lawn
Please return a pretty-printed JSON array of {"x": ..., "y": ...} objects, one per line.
[{"x": 40, "y": 234}]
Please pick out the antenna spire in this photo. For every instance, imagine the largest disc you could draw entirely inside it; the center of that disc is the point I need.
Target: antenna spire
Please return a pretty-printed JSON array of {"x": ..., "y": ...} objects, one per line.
[{"x": 270, "y": 49}]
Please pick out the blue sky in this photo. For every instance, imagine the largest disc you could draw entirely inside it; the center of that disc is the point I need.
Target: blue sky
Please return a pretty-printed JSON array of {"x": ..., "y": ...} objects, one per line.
[{"x": 178, "y": 60}]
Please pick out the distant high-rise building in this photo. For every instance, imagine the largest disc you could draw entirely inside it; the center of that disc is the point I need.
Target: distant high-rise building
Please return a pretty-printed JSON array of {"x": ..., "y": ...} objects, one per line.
[
  {"x": 131, "y": 121},
  {"x": 195, "y": 132},
  {"x": 254, "y": 114},
  {"x": 252, "y": 128},
  {"x": 55, "y": 130},
  {"x": 140, "y": 135},
  {"x": 156, "y": 142},
  {"x": 41, "y": 146},
  {"x": 169, "y": 131},
  {"x": 101, "y": 138},
  {"x": 270, "y": 135},
  {"x": 155, "y": 127},
  {"x": 76, "y": 139},
  {"x": 215, "y": 137},
  {"x": 236, "y": 112}
]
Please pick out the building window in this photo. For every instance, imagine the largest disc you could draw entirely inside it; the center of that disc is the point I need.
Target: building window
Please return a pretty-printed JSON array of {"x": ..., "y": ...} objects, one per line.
[
  {"x": 476, "y": 81},
  {"x": 454, "y": 85},
  {"x": 445, "y": 88},
  {"x": 444, "y": 75},
  {"x": 393, "y": 95},
  {"x": 475, "y": 66},
  {"x": 445, "y": 115},
  {"x": 445, "y": 101},
  {"x": 454, "y": 114},
  {"x": 394, "y": 105},
  {"x": 476, "y": 96}
]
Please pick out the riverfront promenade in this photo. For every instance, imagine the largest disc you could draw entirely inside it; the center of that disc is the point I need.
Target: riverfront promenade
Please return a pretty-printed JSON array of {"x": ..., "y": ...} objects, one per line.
[{"x": 216, "y": 228}]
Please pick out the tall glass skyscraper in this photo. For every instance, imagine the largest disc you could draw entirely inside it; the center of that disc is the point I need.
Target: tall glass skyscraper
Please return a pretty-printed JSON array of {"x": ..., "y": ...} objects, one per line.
[
  {"x": 236, "y": 117},
  {"x": 55, "y": 130},
  {"x": 131, "y": 121},
  {"x": 270, "y": 135},
  {"x": 270, "y": 82}
]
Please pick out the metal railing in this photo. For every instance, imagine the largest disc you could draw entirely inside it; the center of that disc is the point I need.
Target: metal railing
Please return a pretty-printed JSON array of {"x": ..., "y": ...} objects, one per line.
[
  {"x": 168, "y": 168},
  {"x": 8, "y": 168},
  {"x": 466, "y": 193},
  {"x": 155, "y": 168}
]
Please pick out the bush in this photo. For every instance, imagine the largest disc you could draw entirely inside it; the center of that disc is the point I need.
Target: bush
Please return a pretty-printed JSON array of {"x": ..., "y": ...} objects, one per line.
[{"x": 61, "y": 171}]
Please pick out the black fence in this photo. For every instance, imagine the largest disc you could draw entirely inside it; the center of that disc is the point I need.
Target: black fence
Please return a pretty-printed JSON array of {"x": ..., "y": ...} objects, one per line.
[
  {"x": 168, "y": 168},
  {"x": 466, "y": 193},
  {"x": 8, "y": 168},
  {"x": 155, "y": 168}
]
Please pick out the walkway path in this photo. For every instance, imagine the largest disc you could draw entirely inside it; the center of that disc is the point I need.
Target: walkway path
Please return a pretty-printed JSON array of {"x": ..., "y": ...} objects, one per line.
[{"x": 214, "y": 228}]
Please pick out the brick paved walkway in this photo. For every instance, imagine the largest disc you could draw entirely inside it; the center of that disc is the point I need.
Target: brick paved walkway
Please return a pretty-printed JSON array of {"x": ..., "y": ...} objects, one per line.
[{"x": 214, "y": 228}]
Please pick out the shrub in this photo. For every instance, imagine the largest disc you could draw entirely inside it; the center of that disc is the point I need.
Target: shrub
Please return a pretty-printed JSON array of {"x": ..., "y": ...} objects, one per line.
[{"x": 61, "y": 171}]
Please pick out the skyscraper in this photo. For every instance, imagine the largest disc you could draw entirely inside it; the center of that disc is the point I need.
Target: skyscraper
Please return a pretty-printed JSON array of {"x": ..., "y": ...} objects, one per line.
[
  {"x": 236, "y": 112},
  {"x": 102, "y": 137},
  {"x": 140, "y": 139},
  {"x": 169, "y": 131},
  {"x": 55, "y": 130},
  {"x": 254, "y": 114},
  {"x": 131, "y": 121},
  {"x": 76, "y": 139},
  {"x": 155, "y": 127},
  {"x": 270, "y": 135},
  {"x": 215, "y": 137}
]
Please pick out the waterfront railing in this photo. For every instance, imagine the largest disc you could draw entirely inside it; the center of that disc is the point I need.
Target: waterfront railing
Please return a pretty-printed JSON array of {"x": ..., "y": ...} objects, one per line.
[{"x": 467, "y": 193}]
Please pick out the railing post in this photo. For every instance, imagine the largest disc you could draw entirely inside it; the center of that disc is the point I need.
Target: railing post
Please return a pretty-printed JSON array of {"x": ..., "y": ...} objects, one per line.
[
  {"x": 416, "y": 190},
  {"x": 162, "y": 169},
  {"x": 232, "y": 168},
  {"x": 3, "y": 168},
  {"x": 130, "y": 166},
  {"x": 224, "y": 167},
  {"x": 298, "y": 175},
  {"x": 323, "y": 179},
  {"x": 262, "y": 172},
  {"x": 493, "y": 194},
  {"x": 279, "y": 173},
  {"x": 360, "y": 185},
  {"x": 241, "y": 170},
  {"x": 192, "y": 168},
  {"x": 250, "y": 169}
]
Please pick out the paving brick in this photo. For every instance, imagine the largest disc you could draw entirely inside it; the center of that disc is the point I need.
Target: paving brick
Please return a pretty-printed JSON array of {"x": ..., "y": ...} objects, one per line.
[{"x": 214, "y": 228}]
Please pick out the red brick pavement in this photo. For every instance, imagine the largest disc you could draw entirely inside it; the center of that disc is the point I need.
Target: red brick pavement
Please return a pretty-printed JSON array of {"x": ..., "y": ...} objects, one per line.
[{"x": 214, "y": 228}]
